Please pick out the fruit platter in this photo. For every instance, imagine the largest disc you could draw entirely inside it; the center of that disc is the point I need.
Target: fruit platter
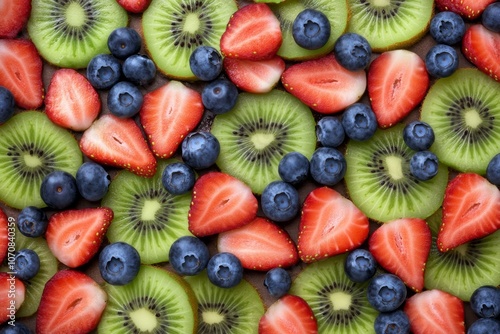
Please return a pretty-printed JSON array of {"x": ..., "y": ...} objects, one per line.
[{"x": 266, "y": 166}]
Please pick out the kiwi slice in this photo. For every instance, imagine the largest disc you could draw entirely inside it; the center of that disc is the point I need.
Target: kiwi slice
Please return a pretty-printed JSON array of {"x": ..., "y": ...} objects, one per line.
[
  {"x": 379, "y": 181},
  {"x": 258, "y": 132},
  {"x": 390, "y": 24},
  {"x": 335, "y": 10},
  {"x": 174, "y": 28},
  {"x": 157, "y": 301},
  {"x": 235, "y": 310},
  {"x": 339, "y": 304},
  {"x": 68, "y": 33},
  {"x": 464, "y": 112},
  {"x": 31, "y": 147}
]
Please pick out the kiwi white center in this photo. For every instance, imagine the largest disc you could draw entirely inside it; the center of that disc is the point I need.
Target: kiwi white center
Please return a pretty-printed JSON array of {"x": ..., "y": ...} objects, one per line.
[
  {"x": 149, "y": 209},
  {"x": 192, "y": 23},
  {"x": 394, "y": 167},
  {"x": 31, "y": 160},
  {"x": 340, "y": 300},
  {"x": 381, "y": 3},
  {"x": 262, "y": 140},
  {"x": 212, "y": 317},
  {"x": 472, "y": 118},
  {"x": 144, "y": 320},
  {"x": 462, "y": 249},
  {"x": 75, "y": 15}
]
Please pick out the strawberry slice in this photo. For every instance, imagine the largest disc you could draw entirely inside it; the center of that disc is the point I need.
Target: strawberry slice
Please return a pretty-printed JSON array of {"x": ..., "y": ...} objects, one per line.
[
  {"x": 469, "y": 9},
  {"x": 134, "y": 6},
  {"x": 397, "y": 83},
  {"x": 71, "y": 101},
  {"x": 21, "y": 72},
  {"x": 435, "y": 312},
  {"x": 482, "y": 48},
  {"x": 118, "y": 142},
  {"x": 12, "y": 295},
  {"x": 324, "y": 85},
  {"x": 471, "y": 210},
  {"x": 15, "y": 14},
  {"x": 402, "y": 246},
  {"x": 74, "y": 236},
  {"x": 253, "y": 33},
  {"x": 71, "y": 302},
  {"x": 220, "y": 203},
  {"x": 254, "y": 76},
  {"x": 260, "y": 245},
  {"x": 4, "y": 234},
  {"x": 330, "y": 224},
  {"x": 289, "y": 314},
  {"x": 168, "y": 114}
]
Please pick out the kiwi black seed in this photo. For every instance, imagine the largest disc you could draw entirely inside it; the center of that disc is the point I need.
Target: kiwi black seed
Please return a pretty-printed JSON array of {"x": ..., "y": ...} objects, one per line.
[
  {"x": 68, "y": 33},
  {"x": 258, "y": 132},
  {"x": 464, "y": 112},
  {"x": 379, "y": 181}
]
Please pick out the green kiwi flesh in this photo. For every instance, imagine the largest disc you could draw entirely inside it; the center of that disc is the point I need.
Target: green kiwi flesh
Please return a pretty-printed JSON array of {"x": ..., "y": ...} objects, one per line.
[
  {"x": 31, "y": 147},
  {"x": 235, "y": 310},
  {"x": 464, "y": 112},
  {"x": 157, "y": 301},
  {"x": 68, "y": 33},
  {"x": 173, "y": 29},
  {"x": 258, "y": 132},
  {"x": 379, "y": 181}
]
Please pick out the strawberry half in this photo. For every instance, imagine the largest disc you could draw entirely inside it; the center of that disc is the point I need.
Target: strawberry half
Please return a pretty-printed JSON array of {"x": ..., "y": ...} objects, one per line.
[
  {"x": 254, "y": 76},
  {"x": 253, "y": 33},
  {"x": 401, "y": 247},
  {"x": 330, "y": 224},
  {"x": 15, "y": 14},
  {"x": 134, "y": 6},
  {"x": 4, "y": 234},
  {"x": 12, "y": 295},
  {"x": 118, "y": 142},
  {"x": 397, "y": 83},
  {"x": 289, "y": 314},
  {"x": 74, "y": 236},
  {"x": 469, "y": 9},
  {"x": 220, "y": 203},
  {"x": 324, "y": 85},
  {"x": 482, "y": 48},
  {"x": 471, "y": 210},
  {"x": 71, "y": 302},
  {"x": 21, "y": 72},
  {"x": 259, "y": 245},
  {"x": 168, "y": 114}
]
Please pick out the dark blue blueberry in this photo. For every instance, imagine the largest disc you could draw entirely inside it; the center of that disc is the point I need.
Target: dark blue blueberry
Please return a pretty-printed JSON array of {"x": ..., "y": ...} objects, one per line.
[
  {"x": 311, "y": 29},
  {"x": 19, "y": 328},
  {"x": 32, "y": 222},
  {"x": 139, "y": 69},
  {"x": 206, "y": 63},
  {"x": 26, "y": 264},
  {"x": 330, "y": 132},
  {"x": 59, "y": 190},
  {"x": 360, "y": 265},
  {"x": 418, "y": 135},
  {"x": 424, "y": 165},
  {"x": 103, "y": 71},
  {"x": 396, "y": 322},
  {"x": 124, "y": 42},
  {"x": 119, "y": 263},
  {"x": 188, "y": 255},
  {"x": 280, "y": 201},
  {"x": 278, "y": 282},
  {"x": 441, "y": 61},
  {"x": 447, "y": 28},
  {"x": 493, "y": 170},
  {"x": 491, "y": 17},
  {"x": 359, "y": 122},
  {"x": 124, "y": 99},
  {"x": 219, "y": 96},
  {"x": 293, "y": 168},
  {"x": 200, "y": 149},
  {"x": 224, "y": 270},
  {"x": 92, "y": 181},
  {"x": 328, "y": 166},
  {"x": 352, "y": 51},
  {"x": 386, "y": 292},
  {"x": 7, "y": 104},
  {"x": 485, "y": 302},
  {"x": 484, "y": 326},
  {"x": 178, "y": 178}
]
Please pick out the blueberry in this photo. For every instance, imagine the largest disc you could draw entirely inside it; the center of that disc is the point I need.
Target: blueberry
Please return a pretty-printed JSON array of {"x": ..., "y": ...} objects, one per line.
[
  {"x": 441, "y": 61},
  {"x": 26, "y": 264},
  {"x": 330, "y": 132},
  {"x": 200, "y": 149},
  {"x": 278, "y": 282},
  {"x": 219, "y": 96},
  {"x": 359, "y": 122},
  {"x": 19, "y": 328},
  {"x": 32, "y": 222},
  {"x": 206, "y": 63},
  {"x": 124, "y": 99},
  {"x": 485, "y": 301},
  {"x": 188, "y": 255},
  {"x": 360, "y": 265},
  {"x": 224, "y": 270},
  {"x": 103, "y": 71},
  {"x": 395, "y": 322},
  {"x": 484, "y": 326},
  {"x": 352, "y": 51},
  {"x": 119, "y": 263},
  {"x": 311, "y": 29},
  {"x": 424, "y": 165},
  {"x": 328, "y": 166},
  {"x": 280, "y": 201},
  {"x": 418, "y": 135},
  {"x": 178, "y": 178},
  {"x": 59, "y": 190},
  {"x": 447, "y": 27},
  {"x": 139, "y": 69},
  {"x": 386, "y": 292},
  {"x": 491, "y": 17},
  {"x": 124, "y": 42},
  {"x": 493, "y": 170},
  {"x": 293, "y": 168},
  {"x": 92, "y": 181},
  {"x": 7, "y": 104}
]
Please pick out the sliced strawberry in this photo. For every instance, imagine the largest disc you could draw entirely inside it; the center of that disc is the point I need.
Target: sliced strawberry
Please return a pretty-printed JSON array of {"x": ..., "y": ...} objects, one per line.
[
  {"x": 260, "y": 245},
  {"x": 288, "y": 315},
  {"x": 469, "y": 9},
  {"x": 397, "y": 83},
  {"x": 4, "y": 234},
  {"x": 402, "y": 246},
  {"x": 435, "y": 312},
  {"x": 168, "y": 114},
  {"x": 253, "y": 33},
  {"x": 330, "y": 224},
  {"x": 220, "y": 203},
  {"x": 254, "y": 76},
  {"x": 134, "y": 6},
  {"x": 482, "y": 48},
  {"x": 71, "y": 302},
  {"x": 15, "y": 14},
  {"x": 118, "y": 142},
  {"x": 12, "y": 295},
  {"x": 74, "y": 236},
  {"x": 21, "y": 72},
  {"x": 471, "y": 210},
  {"x": 324, "y": 85}
]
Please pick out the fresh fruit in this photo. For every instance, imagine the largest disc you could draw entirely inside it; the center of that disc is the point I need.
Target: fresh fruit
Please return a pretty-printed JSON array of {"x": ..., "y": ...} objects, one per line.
[
  {"x": 13, "y": 292},
  {"x": 386, "y": 292},
  {"x": 224, "y": 270},
  {"x": 280, "y": 201},
  {"x": 219, "y": 96},
  {"x": 485, "y": 301},
  {"x": 330, "y": 131},
  {"x": 139, "y": 69},
  {"x": 277, "y": 282},
  {"x": 26, "y": 264},
  {"x": 124, "y": 99},
  {"x": 311, "y": 29},
  {"x": 15, "y": 15},
  {"x": 254, "y": 76},
  {"x": 418, "y": 135},
  {"x": 396, "y": 321},
  {"x": 360, "y": 265},
  {"x": 484, "y": 325},
  {"x": 200, "y": 149},
  {"x": 327, "y": 166},
  {"x": 478, "y": 46},
  {"x": 206, "y": 63},
  {"x": 134, "y": 6},
  {"x": 7, "y": 104},
  {"x": 468, "y": 9},
  {"x": 124, "y": 42},
  {"x": 447, "y": 27},
  {"x": 441, "y": 61},
  {"x": 359, "y": 122},
  {"x": 493, "y": 170},
  {"x": 294, "y": 168},
  {"x": 352, "y": 51},
  {"x": 4, "y": 235},
  {"x": 92, "y": 181},
  {"x": 119, "y": 263},
  {"x": 178, "y": 178},
  {"x": 59, "y": 190},
  {"x": 103, "y": 71},
  {"x": 491, "y": 17},
  {"x": 188, "y": 255},
  {"x": 424, "y": 165}
]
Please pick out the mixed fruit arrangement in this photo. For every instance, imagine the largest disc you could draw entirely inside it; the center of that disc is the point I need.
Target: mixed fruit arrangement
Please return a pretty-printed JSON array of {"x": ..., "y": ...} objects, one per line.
[{"x": 279, "y": 166}]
